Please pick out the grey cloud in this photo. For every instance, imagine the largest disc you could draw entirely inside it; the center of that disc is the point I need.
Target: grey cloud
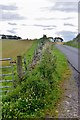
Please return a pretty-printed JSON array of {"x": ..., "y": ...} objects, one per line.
[
  {"x": 48, "y": 28},
  {"x": 68, "y": 24},
  {"x": 12, "y": 23},
  {"x": 68, "y": 18},
  {"x": 43, "y": 18},
  {"x": 63, "y": 6},
  {"x": 40, "y": 25},
  {"x": 8, "y": 7},
  {"x": 67, "y": 35},
  {"x": 9, "y": 12},
  {"x": 44, "y": 25},
  {"x": 24, "y": 25},
  {"x": 12, "y": 31},
  {"x": 10, "y": 16}
]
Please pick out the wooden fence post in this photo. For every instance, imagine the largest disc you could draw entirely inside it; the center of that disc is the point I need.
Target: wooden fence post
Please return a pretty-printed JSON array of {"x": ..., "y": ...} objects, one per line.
[{"x": 19, "y": 68}]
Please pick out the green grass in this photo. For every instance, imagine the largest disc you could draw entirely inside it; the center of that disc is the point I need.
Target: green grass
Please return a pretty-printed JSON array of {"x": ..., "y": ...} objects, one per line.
[
  {"x": 40, "y": 90},
  {"x": 62, "y": 65},
  {"x": 62, "y": 72},
  {"x": 73, "y": 43},
  {"x": 29, "y": 54}
]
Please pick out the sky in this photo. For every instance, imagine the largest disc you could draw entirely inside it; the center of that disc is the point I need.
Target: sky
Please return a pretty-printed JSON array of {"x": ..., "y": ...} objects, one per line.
[{"x": 33, "y": 18}]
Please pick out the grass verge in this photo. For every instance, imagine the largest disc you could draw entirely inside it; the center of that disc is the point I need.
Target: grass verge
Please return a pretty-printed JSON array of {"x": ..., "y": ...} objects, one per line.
[{"x": 73, "y": 43}]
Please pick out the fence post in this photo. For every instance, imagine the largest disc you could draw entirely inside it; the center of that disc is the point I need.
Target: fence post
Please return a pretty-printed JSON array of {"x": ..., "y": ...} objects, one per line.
[{"x": 19, "y": 68}]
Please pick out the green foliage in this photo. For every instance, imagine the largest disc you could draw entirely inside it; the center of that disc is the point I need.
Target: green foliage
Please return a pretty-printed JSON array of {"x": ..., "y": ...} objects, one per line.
[
  {"x": 57, "y": 39},
  {"x": 39, "y": 89},
  {"x": 29, "y": 100},
  {"x": 47, "y": 66},
  {"x": 29, "y": 54},
  {"x": 73, "y": 43}
]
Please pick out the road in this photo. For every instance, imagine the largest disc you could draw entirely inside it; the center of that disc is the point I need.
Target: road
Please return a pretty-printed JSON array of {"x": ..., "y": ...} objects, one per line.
[
  {"x": 72, "y": 55},
  {"x": 69, "y": 107}
]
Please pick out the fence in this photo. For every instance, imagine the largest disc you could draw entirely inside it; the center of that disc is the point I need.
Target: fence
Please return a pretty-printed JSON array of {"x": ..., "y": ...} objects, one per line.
[
  {"x": 6, "y": 79},
  {"x": 20, "y": 73},
  {"x": 36, "y": 57}
]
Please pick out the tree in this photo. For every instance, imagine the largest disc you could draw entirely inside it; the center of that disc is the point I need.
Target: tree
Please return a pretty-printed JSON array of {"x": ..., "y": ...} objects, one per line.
[
  {"x": 56, "y": 39},
  {"x": 19, "y": 38},
  {"x": 44, "y": 37},
  {"x": 10, "y": 37},
  {"x": 3, "y": 37}
]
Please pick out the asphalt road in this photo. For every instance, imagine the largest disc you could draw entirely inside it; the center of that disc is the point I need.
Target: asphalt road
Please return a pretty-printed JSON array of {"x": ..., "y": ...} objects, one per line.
[{"x": 72, "y": 55}]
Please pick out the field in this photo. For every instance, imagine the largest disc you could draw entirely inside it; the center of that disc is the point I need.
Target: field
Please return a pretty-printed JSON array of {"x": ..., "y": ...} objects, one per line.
[{"x": 13, "y": 48}]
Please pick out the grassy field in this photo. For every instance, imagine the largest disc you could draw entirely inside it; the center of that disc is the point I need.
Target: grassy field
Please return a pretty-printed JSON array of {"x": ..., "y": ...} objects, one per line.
[{"x": 13, "y": 48}]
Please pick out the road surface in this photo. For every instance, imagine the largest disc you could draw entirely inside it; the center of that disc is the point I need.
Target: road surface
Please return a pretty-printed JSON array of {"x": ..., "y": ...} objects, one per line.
[{"x": 72, "y": 55}]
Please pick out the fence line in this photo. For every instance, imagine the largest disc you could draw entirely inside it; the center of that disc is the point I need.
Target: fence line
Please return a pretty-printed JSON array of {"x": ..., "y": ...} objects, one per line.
[
  {"x": 36, "y": 57},
  {"x": 3, "y": 75}
]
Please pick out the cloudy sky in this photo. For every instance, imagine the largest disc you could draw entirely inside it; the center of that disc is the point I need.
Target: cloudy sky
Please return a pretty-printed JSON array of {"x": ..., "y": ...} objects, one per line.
[{"x": 33, "y": 18}]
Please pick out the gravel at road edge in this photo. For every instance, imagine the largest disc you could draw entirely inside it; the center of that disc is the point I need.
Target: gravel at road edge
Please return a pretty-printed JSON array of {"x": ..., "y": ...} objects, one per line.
[{"x": 68, "y": 107}]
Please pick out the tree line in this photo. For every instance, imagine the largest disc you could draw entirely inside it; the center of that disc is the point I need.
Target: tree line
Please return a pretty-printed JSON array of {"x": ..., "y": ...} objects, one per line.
[
  {"x": 56, "y": 39},
  {"x": 10, "y": 37}
]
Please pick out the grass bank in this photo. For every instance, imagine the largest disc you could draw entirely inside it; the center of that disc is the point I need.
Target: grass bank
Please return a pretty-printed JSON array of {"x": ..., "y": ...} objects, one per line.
[
  {"x": 40, "y": 90},
  {"x": 73, "y": 43}
]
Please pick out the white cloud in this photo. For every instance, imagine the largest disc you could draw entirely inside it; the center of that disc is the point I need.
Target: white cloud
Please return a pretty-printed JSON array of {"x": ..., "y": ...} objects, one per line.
[{"x": 29, "y": 16}]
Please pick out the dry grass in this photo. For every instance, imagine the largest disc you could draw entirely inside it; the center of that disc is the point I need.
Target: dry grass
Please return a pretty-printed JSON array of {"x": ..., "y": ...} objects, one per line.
[
  {"x": 13, "y": 48},
  {"x": 61, "y": 43}
]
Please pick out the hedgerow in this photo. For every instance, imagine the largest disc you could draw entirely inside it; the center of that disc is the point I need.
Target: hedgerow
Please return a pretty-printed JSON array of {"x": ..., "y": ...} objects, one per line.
[{"x": 37, "y": 91}]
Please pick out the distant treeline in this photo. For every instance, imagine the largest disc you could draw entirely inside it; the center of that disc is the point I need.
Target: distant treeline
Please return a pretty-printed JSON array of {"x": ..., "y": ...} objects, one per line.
[{"x": 10, "y": 37}]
